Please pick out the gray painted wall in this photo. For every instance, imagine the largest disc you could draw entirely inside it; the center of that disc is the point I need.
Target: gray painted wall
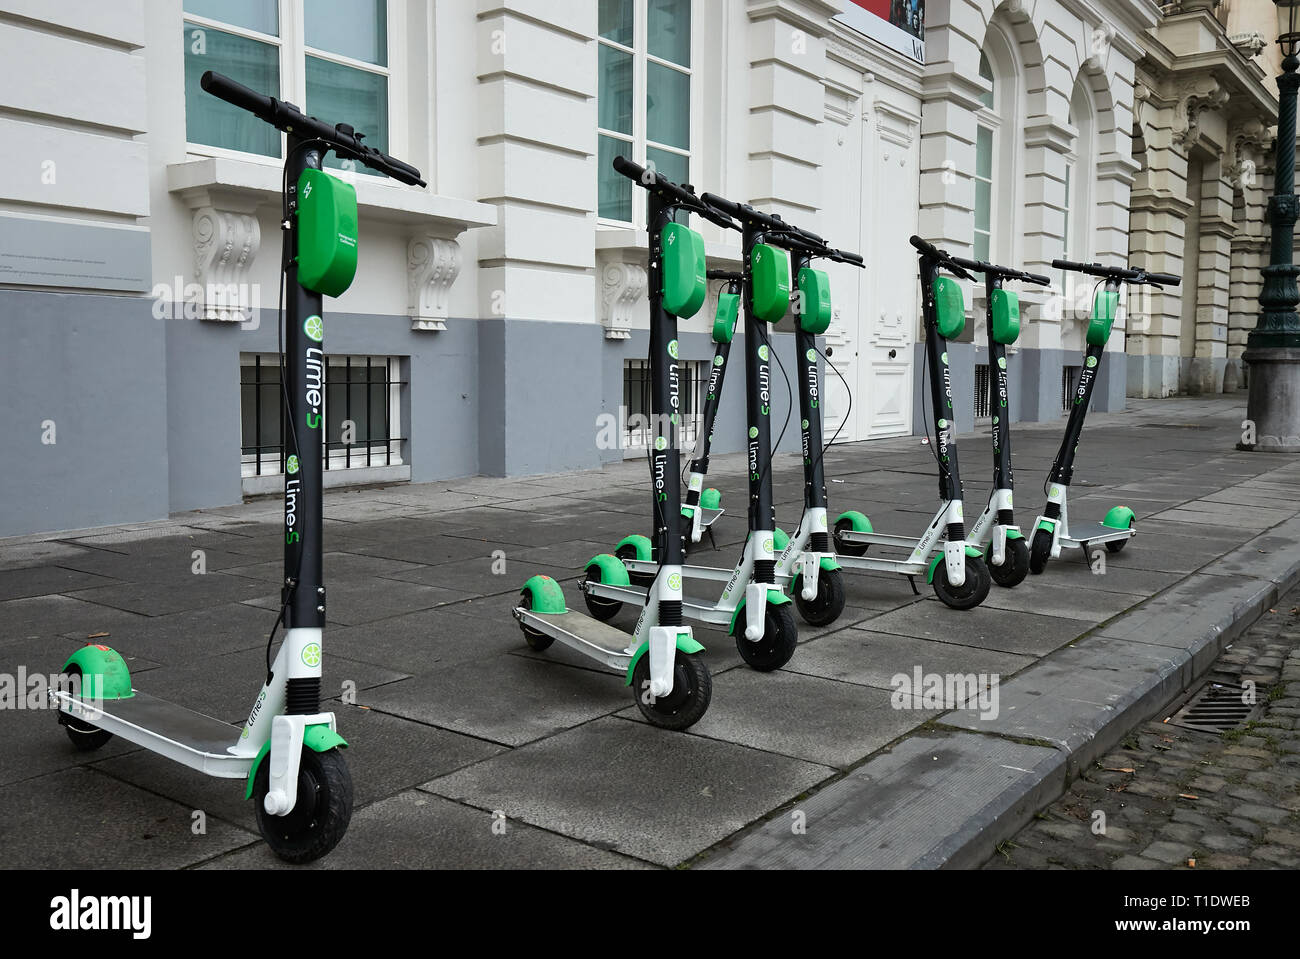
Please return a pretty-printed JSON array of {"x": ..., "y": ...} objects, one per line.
[{"x": 95, "y": 365}]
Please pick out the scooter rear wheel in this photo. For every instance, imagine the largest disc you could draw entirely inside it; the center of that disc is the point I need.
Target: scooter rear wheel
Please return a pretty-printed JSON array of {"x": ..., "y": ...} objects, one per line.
[
  {"x": 1015, "y": 564},
  {"x": 1041, "y": 551},
  {"x": 970, "y": 593},
  {"x": 601, "y": 609},
  {"x": 848, "y": 549},
  {"x": 780, "y": 640},
  {"x": 536, "y": 641},
  {"x": 826, "y": 606},
  {"x": 689, "y": 699},
  {"x": 320, "y": 815},
  {"x": 85, "y": 737}
]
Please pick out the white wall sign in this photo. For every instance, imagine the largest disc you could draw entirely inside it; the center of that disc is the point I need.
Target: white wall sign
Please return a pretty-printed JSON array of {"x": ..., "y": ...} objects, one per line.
[{"x": 898, "y": 24}]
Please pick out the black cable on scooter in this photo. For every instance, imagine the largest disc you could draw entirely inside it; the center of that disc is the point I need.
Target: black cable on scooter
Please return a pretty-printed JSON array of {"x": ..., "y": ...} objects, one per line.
[
  {"x": 789, "y": 402},
  {"x": 1056, "y": 460},
  {"x": 847, "y": 413}
]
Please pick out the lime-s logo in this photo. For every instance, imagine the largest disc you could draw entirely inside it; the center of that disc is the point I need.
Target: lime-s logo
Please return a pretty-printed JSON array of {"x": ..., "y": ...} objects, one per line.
[
  {"x": 811, "y": 356},
  {"x": 763, "y": 353},
  {"x": 718, "y": 361},
  {"x": 804, "y": 425},
  {"x": 944, "y": 358},
  {"x": 311, "y": 654},
  {"x": 767, "y": 545},
  {"x": 661, "y": 444},
  {"x": 1002, "y": 362},
  {"x": 672, "y": 349},
  {"x": 314, "y": 327},
  {"x": 674, "y": 582},
  {"x": 753, "y": 432},
  {"x": 291, "y": 465},
  {"x": 1092, "y": 362}
]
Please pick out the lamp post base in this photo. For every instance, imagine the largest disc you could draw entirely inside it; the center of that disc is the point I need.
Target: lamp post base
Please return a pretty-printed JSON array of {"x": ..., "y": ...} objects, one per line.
[{"x": 1273, "y": 409}]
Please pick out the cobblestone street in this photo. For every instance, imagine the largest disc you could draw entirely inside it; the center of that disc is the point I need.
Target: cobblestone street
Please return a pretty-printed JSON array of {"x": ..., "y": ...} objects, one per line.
[{"x": 1179, "y": 798}]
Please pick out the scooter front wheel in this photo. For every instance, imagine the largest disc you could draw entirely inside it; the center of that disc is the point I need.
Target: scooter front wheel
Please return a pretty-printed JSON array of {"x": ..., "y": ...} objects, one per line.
[
  {"x": 779, "y": 641},
  {"x": 1041, "y": 551},
  {"x": 1015, "y": 564},
  {"x": 824, "y": 608},
  {"x": 970, "y": 593},
  {"x": 320, "y": 815},
  {"x": 689, "y": 699}
]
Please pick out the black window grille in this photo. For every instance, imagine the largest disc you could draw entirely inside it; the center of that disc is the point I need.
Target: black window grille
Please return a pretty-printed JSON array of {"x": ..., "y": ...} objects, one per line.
[
  {"x": 981, "y": 391},
  {"x": 694, "y": 387},
  {"x": 362, "y": 427},
  {"x": 1069, "y": 383}
]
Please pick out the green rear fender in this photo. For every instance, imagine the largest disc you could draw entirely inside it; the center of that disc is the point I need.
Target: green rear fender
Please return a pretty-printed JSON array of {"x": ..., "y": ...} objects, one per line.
[
  {"x": 546, "y": 594},
  {"x": 612, "y": 570},
  {"x": 971, "y": 551},
  {"x": 1121, "y": 517},
  {"x": 686, "y": 645},
  {"x": 858, "y": 522},
  {"x": 775, "y": 597},
  {"x": 639, "y": 543},
  {"x": 780, "y": 540},
  {"x": 319, "y": 739},
  {"x": 104, "y": 674}
]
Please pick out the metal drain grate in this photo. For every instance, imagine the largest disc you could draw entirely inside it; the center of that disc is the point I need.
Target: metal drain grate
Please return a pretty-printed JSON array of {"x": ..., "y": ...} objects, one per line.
[{"x": 1216, "y": 708}]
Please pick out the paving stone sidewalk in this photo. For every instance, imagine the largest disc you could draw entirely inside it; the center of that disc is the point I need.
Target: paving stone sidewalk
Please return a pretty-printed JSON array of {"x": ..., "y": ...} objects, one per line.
[
  {"x": 1184, "y": 799},
  {"x": 469, "y": 750}
]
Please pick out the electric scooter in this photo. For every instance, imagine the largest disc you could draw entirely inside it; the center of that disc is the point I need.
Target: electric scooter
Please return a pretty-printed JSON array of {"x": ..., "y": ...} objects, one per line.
[
  {"x": 1005, "y": 552},
  {"x": 766, "y": 636},
  {"x": 703, "y": 507},
  {"x": 288, "y": 751},
  {"x": 669, "y": 680},
  {"x": 1052, "y": 532},
  {"x": 958, "y": 574},
  {"x": 805, "y": 559}
]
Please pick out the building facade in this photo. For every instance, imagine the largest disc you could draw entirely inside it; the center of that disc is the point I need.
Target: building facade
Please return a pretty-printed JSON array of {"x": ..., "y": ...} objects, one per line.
[{"x": 499, "y": 321}]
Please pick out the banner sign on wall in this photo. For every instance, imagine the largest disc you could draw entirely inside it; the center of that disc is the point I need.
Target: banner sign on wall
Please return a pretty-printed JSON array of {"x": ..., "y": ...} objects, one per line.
[{"x": 898, "y": 24}]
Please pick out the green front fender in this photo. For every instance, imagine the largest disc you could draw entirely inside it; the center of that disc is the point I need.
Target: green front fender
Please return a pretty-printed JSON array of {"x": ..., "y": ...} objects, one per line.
[
  {"x": 1046, "y": 524},
  {"x": 780, "y": 540},
  {"x": 612, "y": 570},
  {"x": 319, "y": 739},
  {"x": 775, "y": 597},
  {"x": 711, "y": 499},
  {"x": 971, "y": 551},
  {"x": 1015, "y": 534},
  {"x": 104, "y": 673},
  {"x": 829, "y": 564},
  {"x": 1121, "y": 517},
  {"x": 639, "y": 543},
  {"x": 685, "y": 644}
]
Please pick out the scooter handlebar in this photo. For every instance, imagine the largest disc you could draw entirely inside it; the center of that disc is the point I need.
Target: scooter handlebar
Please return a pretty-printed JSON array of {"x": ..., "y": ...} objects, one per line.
[
  {"x": 285, "y": 116},
  {"x": 673, "y": 193},
  {"x": 1127, "y": 274}
]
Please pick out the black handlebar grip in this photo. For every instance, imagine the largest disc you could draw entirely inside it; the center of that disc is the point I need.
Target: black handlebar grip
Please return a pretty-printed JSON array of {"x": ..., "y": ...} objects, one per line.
[
  {"x": 1036, "y": 278},
  {"x": 629, "y": 169},
  {"x": 1068, "y": 265},
  {"x": 1165, "y": 279},
  {"x": 716, "y": 216},
  {"x": 923, "y": 246},
  {"x": 238, "y": 95},
  {"x": 723, "y": 204},
  {"x": 851, "y": 257}
]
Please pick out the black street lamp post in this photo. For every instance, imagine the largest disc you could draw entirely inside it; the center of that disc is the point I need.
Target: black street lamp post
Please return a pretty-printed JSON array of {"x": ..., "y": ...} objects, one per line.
[{"x": 1273, "y": 347}]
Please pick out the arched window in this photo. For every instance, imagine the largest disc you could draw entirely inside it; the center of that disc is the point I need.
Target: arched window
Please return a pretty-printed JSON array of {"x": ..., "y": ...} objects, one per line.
[
  {"x": 1080, "y": 166},
  {"x": 997, "y": 141},
  {"x": 985, "y": 132}
]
